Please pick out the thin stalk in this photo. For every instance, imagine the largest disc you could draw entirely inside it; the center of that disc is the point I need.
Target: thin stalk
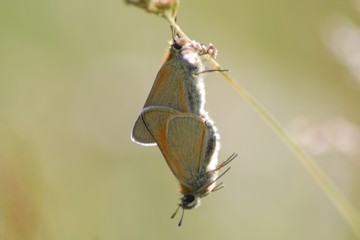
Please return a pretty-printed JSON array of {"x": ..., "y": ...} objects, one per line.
[
  {"x": 345, "y": 208},
  {"x": 168, "y": 16}
]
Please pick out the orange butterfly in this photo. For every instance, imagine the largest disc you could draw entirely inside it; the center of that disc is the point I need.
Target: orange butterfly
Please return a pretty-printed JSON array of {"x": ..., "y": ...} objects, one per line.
[{"x": 189, "y": 144}]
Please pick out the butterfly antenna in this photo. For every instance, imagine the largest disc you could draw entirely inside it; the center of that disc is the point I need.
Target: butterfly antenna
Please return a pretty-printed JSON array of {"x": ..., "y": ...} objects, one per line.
[
  {"x": 174, "y": 214},
  {"x": 182, "y": 215},
  {"x": 173, "y": 31}
]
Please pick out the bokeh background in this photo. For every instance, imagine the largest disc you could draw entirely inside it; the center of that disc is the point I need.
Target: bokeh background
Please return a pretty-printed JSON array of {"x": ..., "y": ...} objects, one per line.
[{"x": 74, "y": 76}]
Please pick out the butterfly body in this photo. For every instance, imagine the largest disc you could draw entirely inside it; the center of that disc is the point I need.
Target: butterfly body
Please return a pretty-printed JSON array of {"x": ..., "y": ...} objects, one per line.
[{"x": 176, "y": 86}]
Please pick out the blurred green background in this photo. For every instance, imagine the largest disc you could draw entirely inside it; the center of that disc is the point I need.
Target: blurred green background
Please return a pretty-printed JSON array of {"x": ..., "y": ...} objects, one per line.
[{"x": 74, "y": 76}]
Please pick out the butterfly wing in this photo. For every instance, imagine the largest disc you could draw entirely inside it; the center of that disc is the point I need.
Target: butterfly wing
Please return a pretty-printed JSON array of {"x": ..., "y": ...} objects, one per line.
[
  {"x": 169, "y": 91},
  {"x": 155, "y": 119},
  {"x": 141, "y": 135},
  {"x": 177, "y": 87},
  {"x": 193, "y": 143},
  {"x": 185, "y": 140}
]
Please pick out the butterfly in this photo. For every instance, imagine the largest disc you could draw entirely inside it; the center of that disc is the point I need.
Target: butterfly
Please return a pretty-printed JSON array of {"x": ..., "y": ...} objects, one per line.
[
  {"x": 190, "y": 145},
  {"x": 178, "y": 84}
]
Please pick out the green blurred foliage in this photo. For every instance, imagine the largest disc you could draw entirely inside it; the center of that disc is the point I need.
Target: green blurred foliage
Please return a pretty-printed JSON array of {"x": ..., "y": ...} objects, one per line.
[{"x": 74, "y": 76}]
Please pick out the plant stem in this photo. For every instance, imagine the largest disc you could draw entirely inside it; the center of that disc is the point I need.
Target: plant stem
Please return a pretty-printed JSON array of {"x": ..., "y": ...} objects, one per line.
[{"x": 345, "y": 208}]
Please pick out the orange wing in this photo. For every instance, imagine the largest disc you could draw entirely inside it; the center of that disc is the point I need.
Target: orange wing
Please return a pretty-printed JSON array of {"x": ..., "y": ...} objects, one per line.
[
  {"x": 155, "y": 119},
  {"x": 168, "y": 90},
  {"x": 192, "y": 144},
  {"x": 175, "y": 87},
  {"x": 185, "y": 140}
]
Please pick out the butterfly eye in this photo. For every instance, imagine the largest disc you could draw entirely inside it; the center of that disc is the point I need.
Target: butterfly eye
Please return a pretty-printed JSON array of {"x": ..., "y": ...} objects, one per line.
[
  {"x": 179, "y": 43},
  {"x": 176, "y": 45},
  {"x": 189, "y": 201}
]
